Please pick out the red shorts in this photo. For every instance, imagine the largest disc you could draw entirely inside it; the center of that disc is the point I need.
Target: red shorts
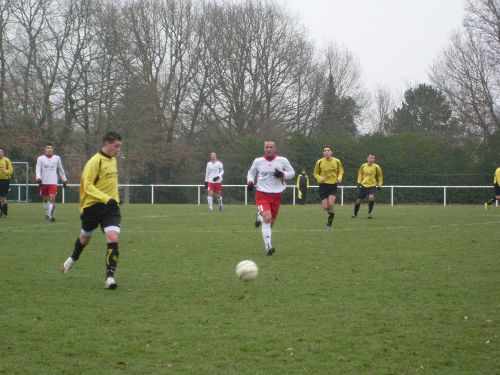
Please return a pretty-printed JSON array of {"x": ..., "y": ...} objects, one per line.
[
  {"x": 48, "y": 190},
  {"x": 268, "y": 202},
  {"x": 216, "y": 187}
]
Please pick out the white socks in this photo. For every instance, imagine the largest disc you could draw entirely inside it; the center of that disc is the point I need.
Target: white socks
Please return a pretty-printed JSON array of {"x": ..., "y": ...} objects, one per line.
[
  {"x": 266, "y": 234},
  {"x": 210, "y": 201}
]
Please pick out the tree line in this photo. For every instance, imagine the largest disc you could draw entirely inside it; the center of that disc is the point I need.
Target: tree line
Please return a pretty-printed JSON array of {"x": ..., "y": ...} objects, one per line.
[{"x": 181, "y": 78}]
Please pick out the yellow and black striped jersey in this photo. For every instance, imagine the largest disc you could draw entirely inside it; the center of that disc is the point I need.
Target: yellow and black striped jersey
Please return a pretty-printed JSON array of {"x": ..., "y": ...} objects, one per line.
[
  {"x": 6, "y": 169},
  {"x": 99, "y": 182},
  {"x": 331, "y": 169},
  {"x": 496, "y": 179},
  {"x": 370, "y": 175}
]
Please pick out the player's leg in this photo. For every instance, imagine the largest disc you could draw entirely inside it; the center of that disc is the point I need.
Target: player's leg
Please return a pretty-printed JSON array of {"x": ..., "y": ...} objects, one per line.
[
  {"x": 210, "y": 197},
  {"x": 90, "y": 221},
  {"x": 357, "y": 205},
  {"x": 331, "y": 210},
  {"x": 493, "y": 200},
  {"x": 218, "y": 195},
  {"x": 52, "y": 206},
  {"x": 4, "y": 190},
  {"x": 3, "y": 206},
  {"x": 111, "y": 227},
  {"x": 112, "y": 254},
  {"x": 371, "y": 203},
  {"x": 45, "y": 203},
  {"x": 275, "y": 204}
]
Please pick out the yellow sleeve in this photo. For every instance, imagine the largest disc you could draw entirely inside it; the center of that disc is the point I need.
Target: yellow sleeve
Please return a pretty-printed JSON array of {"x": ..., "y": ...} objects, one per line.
[
  {"x": 307, "y": 182},
  {"x": 340, "y": 171},
  {"x": 496, "y": 179},
  {"x": 360, "y": 175},
  {"x": 317, "y": 171},
  {"x": 89, "y": 177},
  {"x": 298, "y": 180},
  {"x": 10, "y": 170},
  {"x": 380, "y": 176}
]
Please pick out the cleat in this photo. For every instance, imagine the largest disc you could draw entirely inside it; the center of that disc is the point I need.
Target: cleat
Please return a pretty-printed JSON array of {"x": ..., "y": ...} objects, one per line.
[
  {"x": 486, "y": 206},
  {"x": 354, "y": 216},
  {"x": 110, "y": 283},
  {"x": 209, "y": 210},
  {"x": 370, "y": 216},
  {"x": 257, "y": 222},
  {"x": 221, "y": 208},
  {"x": 52, "y": 219},
  {"x": 270, "y": 251},
  {"x": 67, "y": 265},
  {"x": 47, "y": 217},
  {"x": 329, "y": 226},
  {"x": 3, "y": 216}
]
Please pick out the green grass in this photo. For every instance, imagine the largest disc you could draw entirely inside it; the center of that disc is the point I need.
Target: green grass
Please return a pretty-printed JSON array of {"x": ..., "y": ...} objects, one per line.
[{"x": 414, "y": 291}]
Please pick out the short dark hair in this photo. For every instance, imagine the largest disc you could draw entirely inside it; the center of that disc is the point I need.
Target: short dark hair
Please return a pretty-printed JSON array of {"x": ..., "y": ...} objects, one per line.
[
  {"x": 49, "y": 144},
  {"x": 371, "y": 153},
  {"x": 110, "y": 137},
  {"x": 327, "y": 146}
]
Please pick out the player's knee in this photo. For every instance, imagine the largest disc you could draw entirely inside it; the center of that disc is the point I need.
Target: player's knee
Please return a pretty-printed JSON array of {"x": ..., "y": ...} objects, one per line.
[
  {"x": 267, "y": 217},
  {"x": 85, "y": 238},
  {"x": 112, "y": 234}
]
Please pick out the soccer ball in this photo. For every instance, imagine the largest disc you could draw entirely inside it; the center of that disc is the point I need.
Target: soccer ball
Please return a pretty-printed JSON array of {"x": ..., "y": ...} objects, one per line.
[{"x": 247, "y": 270}]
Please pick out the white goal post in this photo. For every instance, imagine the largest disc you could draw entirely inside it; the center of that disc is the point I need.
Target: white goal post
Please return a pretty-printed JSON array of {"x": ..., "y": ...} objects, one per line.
[{"x": 154, "y": 190}]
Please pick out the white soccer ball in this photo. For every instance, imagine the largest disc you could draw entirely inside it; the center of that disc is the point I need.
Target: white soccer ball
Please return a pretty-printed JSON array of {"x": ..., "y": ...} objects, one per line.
[{"x": 247, "y": 270}]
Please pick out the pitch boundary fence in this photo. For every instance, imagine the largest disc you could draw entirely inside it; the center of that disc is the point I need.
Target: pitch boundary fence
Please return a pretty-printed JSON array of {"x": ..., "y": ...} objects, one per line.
[{"x": 22, "y": 192}]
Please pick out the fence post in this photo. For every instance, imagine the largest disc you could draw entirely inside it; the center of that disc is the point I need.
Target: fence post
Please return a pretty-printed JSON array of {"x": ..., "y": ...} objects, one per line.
[
  {"x": 18, "y": 193},
  {"x": 293, "y": 199},
  {"x": 152, "y": 194},
  {"x": 341, "y": 195},
  {"x": 63, "y": 195},
  {"x": 246, "y": 195},
  {"x": 199, "y": 195},
  {"x": 444, "y": 196},
  {"x": 392, "y": 195}
]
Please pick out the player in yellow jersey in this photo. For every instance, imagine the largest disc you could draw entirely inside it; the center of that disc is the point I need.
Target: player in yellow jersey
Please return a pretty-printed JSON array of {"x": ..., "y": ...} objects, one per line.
[
  {"x": 496, "y": 184},
  {"x": 99, "y": 205},
  {"x": 370, "y": 180},
  {"x": 328, "y": 171},
  {"x": 6, "y": 172}
]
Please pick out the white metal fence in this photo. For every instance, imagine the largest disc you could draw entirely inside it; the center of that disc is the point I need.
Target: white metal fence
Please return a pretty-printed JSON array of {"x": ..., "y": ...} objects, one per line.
[{"x": 21, "y": 191}]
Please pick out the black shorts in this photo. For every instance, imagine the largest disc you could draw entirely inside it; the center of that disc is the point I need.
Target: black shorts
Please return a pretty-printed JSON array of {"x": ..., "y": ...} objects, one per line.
[
  {"x": 364, "y": 191},
  {"x": 4, "y": 187},
  {"x": 497, "y": 190},
  {"x": 100, "y": 214},
  {"x": 325, "y": 190}
]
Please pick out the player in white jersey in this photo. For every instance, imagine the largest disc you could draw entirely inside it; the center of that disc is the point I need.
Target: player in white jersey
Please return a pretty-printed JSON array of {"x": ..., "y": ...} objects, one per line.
[
  {"x": 213, "y": 181},
  {"x": 271, "y": 171},
  {"x": 47, "y": 166}
]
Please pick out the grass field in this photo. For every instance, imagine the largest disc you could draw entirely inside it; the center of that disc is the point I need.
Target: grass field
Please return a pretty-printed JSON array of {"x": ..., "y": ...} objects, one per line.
[{"x": 414, "y": 291}]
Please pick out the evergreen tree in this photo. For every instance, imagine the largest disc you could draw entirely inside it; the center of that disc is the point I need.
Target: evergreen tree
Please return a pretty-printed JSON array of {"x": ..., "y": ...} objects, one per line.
[
  {"x": 338, "y": 113},
  {"x": 424, "y": 110}
]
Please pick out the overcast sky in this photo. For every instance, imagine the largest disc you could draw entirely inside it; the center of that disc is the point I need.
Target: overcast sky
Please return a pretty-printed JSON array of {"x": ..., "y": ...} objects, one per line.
[{"x": 395, "y": 41}]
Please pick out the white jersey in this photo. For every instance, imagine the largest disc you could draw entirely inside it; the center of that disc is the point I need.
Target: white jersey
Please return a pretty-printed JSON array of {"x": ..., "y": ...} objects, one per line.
[
  {"x": 264, "y": 168},
  {"x": 214, "y": 169},
  {"x": 46, "y": 169}
]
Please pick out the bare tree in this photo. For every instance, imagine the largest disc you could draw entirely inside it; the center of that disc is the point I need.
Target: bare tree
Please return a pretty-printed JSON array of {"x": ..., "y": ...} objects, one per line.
[
  {"x": 383, "y": 106},
  {"x": 43, "y": 28},
  {"x": 4, "y": 19},
  {"x": 484, "y": 16},
  {"x": 466, "y": 74}
]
